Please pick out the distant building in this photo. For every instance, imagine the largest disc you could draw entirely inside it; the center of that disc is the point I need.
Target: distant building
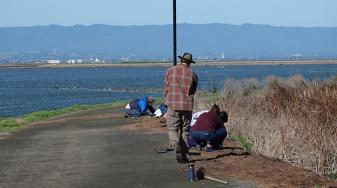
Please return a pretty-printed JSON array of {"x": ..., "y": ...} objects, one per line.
[
  {"x": 296, "y": 56},
  {"x": 53, "y": 61},
  {"x": 71, "y": 61},
  {"x": 98, "y": 60},
  {"x": 125, "y": 59}
]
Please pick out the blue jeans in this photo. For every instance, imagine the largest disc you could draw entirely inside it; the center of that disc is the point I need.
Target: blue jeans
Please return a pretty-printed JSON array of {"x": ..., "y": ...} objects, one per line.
[
  {"x": 214, "y": 138},
  {"x": 132, "y": 112}
]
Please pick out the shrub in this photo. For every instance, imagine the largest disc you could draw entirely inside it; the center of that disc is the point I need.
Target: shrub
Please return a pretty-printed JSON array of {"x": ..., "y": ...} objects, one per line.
[
  {"x": 244, "y": 142},
  {"x": 294, "y": 120}
]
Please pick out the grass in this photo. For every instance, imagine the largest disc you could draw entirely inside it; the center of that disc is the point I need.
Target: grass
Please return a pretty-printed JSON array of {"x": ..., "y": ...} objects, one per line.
[
  {"x": 291, "y": 119},
  {"x": 333, "y": 176},
  {"x": 245, "y": 143},
  {"x": 10, "y": 124}
]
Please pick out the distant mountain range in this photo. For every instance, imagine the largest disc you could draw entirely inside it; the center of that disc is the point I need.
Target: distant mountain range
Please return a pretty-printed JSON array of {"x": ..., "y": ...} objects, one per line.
[{"x": 154, "y": 42}]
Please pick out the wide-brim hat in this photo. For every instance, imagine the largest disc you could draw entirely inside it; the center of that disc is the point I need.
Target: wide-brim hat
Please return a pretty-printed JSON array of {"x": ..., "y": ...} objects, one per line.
[{"x": 187, "y": 57}]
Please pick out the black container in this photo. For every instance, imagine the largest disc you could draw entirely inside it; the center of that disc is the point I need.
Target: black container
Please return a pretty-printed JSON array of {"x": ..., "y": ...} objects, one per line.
[{"x": 191, "y": 173}]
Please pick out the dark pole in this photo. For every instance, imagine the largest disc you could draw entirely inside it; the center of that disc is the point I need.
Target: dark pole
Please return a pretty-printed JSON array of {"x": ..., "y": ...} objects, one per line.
[{"x": 174, "y": 33}]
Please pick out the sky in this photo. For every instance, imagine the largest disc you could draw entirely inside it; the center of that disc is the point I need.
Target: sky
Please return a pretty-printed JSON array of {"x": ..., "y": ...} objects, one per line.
[{"x": 305, "y": 13}]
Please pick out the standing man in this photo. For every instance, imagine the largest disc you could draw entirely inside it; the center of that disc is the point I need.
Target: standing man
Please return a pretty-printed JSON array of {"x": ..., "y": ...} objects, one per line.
[{"x": 180, "y": 86}]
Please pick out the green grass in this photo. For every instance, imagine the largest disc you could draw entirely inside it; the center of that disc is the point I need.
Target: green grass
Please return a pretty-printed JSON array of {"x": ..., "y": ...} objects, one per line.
[
  {"x": 10, "y": 124},
  {"x": 244, "y": 142},
  {"x": 333, "y": 176},
  {"x": 159, "y": 100}
]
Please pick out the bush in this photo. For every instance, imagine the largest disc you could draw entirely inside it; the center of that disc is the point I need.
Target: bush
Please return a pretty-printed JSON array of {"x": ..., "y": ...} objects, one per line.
[
  {"x": 245, "y": 143},
  {"x": 291, "y": 119}
]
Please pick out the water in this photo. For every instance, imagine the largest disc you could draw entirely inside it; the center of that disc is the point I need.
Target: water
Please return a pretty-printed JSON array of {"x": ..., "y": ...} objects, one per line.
[{"x": 27, "y": 90}]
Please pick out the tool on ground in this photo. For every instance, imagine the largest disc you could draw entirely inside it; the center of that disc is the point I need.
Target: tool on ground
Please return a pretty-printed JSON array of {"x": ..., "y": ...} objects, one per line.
[
  {"x": 191, "y": 173},
  {"x": 194, "y": 153},
  {"x": 201, "y": 174},
  {"x": 159, "y": 151}
]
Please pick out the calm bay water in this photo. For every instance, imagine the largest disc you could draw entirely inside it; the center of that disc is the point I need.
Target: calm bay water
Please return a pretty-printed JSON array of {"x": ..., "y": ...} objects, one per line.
[{"x": 27, "y": 90}]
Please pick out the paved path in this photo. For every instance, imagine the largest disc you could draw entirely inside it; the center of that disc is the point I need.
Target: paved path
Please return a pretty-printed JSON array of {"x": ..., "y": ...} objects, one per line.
[{"x": 88, "y": 150}]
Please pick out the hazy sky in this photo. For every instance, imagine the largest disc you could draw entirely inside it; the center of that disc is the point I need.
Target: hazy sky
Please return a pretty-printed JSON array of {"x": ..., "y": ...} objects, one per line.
[{"x": 146, "y": 12}]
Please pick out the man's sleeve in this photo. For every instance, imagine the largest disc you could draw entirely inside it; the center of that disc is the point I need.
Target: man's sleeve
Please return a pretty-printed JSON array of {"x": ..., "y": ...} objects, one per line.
[
  {"x": 166, "y": 84},
  {"x": 194, "y": 84},
  {"x": 151, "y": 109}
]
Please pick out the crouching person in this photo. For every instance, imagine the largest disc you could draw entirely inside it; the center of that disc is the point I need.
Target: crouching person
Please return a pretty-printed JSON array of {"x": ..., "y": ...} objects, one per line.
[
  {"x": 139, "y": 107},
  {"x": 209, "y": 129}
]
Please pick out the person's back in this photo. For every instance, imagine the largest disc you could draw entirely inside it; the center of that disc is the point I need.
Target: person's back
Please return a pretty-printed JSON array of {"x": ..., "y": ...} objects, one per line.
[
  {"x": 209, "y": 129},
  {"x": 195, "y": 117},
  {"x": 180, "y": 87},
  {"x": 209, "y": 121},
  {"x": 143, "y": 104},
  {"x": 134, "y": 105}
]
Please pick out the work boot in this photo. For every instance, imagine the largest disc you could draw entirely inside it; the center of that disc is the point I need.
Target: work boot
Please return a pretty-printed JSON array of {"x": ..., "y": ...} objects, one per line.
[
  {"x": 181, "y": 155},
  {"x": 182, "y": 159}
]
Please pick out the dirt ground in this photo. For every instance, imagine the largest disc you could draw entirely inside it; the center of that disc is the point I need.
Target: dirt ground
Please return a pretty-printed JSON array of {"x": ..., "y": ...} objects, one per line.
[{"x": 233, "y": 162}]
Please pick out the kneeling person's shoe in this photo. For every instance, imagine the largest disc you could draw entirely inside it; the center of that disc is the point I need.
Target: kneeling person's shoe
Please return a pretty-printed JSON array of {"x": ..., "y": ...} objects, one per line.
[{"x": 209, "y": 149}]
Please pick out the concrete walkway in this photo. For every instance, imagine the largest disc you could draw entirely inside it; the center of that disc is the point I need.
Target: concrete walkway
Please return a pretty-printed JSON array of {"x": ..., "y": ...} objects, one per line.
[{"x": 88, "y": 150}]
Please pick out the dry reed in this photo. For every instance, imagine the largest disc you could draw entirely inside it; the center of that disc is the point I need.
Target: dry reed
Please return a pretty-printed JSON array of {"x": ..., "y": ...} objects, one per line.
[{"x": 294, "y": 120}]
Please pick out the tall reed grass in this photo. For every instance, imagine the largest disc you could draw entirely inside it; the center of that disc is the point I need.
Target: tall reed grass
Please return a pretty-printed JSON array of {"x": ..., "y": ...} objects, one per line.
[{"x": 294, "y": 120}]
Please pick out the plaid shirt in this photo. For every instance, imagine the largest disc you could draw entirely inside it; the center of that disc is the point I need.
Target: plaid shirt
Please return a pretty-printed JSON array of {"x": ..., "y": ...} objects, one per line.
[{"x": 180, "y": 86}]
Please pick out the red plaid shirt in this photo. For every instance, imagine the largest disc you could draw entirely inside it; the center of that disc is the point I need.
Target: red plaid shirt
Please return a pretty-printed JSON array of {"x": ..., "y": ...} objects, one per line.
[{"x": 180, "y": 86}]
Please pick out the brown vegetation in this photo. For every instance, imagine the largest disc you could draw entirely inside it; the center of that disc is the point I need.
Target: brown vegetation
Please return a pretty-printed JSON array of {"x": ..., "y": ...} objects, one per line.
[
  {"x": 233, "y": 165},
  {"x": 294, "y": 120}
]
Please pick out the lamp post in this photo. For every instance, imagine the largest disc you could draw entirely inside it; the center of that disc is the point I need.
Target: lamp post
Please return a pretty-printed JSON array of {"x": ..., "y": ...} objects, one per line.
[{"x": 174, "y": 33}]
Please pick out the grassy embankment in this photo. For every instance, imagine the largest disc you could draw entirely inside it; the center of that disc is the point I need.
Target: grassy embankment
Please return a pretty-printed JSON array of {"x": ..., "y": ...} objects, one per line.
[
  {"x": 13, "y": 123},
  {"x": 10, "y": 124},
  {"x": 294, "y": 120}
]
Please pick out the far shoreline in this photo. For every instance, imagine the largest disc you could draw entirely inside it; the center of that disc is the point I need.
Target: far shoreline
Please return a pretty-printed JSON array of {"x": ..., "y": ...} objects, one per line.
[{"x": 164, "y": 64}]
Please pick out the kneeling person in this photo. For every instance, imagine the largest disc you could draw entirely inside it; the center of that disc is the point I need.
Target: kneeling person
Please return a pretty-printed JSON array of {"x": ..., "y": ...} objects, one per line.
[
  {"x": 139, "y": 107},
  {"x": 209, "y": 129}
]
